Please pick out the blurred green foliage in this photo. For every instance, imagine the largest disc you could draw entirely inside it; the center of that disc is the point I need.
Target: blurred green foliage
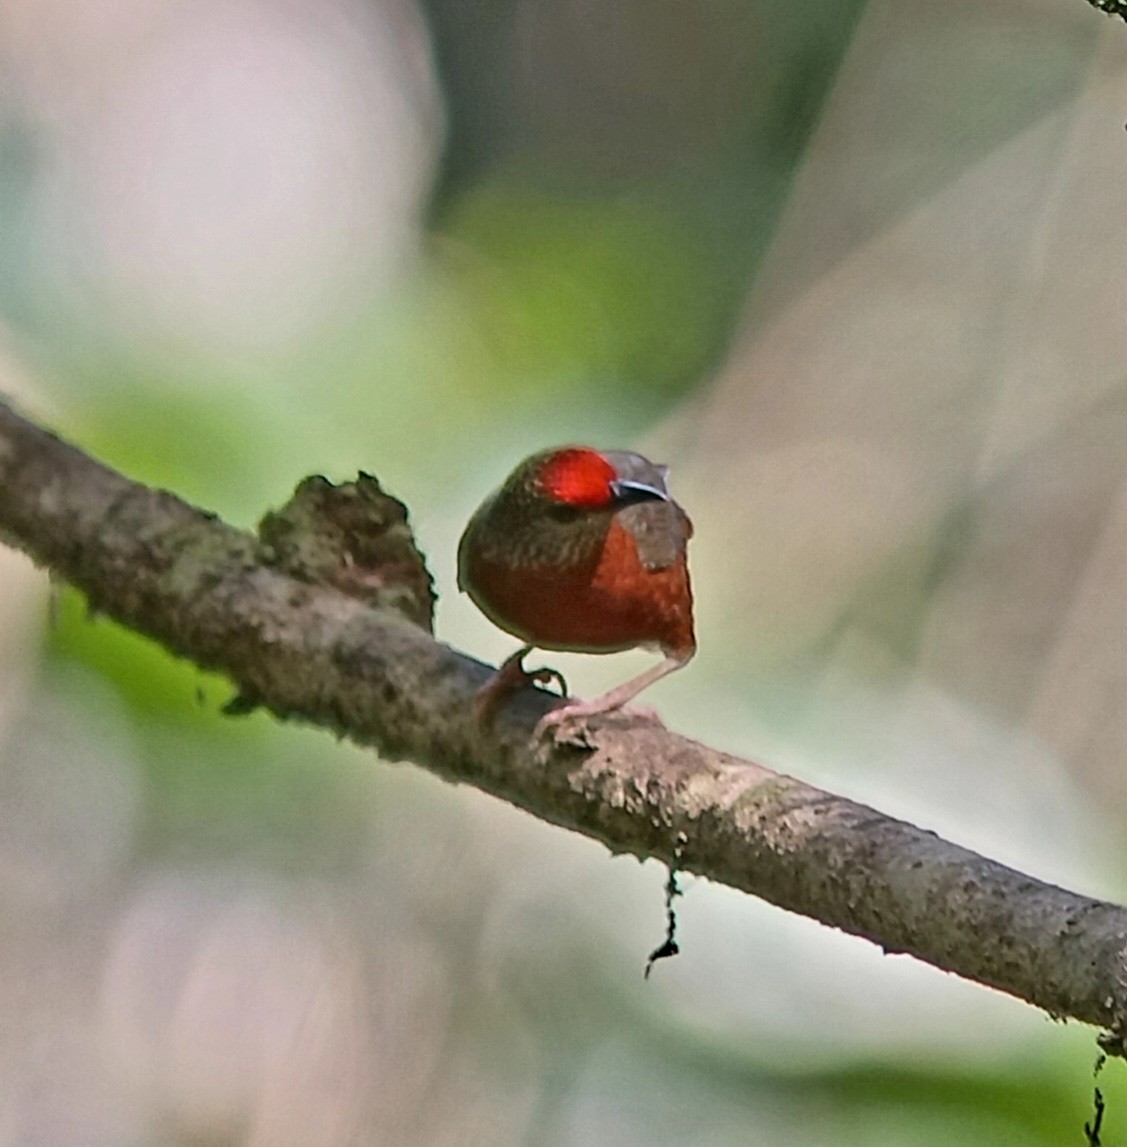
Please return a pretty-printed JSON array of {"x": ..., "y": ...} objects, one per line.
[
  {"x": 586, "y": 296},
  {"x": 596, "y": 228}
]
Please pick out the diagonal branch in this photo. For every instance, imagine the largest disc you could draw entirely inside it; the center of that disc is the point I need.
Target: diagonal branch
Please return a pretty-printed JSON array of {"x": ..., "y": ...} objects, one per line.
[{"x": 318, "y": 654}]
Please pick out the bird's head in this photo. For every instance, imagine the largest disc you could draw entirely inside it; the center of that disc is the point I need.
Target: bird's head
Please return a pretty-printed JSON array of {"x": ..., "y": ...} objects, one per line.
[
  {"x": 555, "y": 510},
  {"x": 582, "y": 478}
]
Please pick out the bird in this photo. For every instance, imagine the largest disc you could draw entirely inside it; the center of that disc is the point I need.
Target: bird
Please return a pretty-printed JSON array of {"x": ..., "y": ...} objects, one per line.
[{"x": 583, "y": 550}]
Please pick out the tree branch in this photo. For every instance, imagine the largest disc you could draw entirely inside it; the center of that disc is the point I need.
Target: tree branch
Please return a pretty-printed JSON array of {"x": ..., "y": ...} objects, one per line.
[
  {"x": 1111, "y": 7},
  {"x": 313, "y": 652}
]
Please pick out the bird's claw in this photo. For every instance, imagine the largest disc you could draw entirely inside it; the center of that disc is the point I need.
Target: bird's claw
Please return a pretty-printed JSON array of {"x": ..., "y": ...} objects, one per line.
[
  {"x": 510, "y": 679},
  {"x": 552, "y": 719},
  {"x": 546, "y": 676},
  {"x": 566, "y": 714},
  {"x": 553, "y": 725}
]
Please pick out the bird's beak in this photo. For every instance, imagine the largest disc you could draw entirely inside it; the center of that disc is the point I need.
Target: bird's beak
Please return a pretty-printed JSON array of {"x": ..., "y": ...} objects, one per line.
[{"x": 626, "y": 491}]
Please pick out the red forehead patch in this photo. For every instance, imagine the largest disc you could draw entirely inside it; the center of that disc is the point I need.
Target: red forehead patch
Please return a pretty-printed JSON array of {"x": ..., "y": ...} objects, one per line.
[{"x": 578, "y": 477}]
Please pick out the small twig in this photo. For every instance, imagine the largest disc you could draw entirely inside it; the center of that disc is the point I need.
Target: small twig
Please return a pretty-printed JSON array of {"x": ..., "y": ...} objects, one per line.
[
  {"x": 669, "y": 946},
  {"x": 1092, "y": 1130}
]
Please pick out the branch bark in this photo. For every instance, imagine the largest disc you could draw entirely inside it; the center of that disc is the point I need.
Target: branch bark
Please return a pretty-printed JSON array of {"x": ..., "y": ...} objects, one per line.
[
  {"x": 1111, "y": 7},
  {"x": 312, "y": 652}
]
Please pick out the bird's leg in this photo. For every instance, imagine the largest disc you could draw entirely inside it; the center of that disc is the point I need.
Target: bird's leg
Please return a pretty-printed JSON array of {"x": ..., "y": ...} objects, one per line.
[
  {"x": 614, "y": 698},
  {"x": 509, "y": 679}
]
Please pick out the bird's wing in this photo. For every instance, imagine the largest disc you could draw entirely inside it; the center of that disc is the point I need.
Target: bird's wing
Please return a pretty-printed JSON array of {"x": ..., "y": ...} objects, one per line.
[{"x": 660, "y": 530}]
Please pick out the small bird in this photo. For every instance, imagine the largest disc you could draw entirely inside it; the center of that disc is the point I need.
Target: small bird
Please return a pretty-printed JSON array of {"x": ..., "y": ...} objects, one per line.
[{"x": 581, "y": 550}]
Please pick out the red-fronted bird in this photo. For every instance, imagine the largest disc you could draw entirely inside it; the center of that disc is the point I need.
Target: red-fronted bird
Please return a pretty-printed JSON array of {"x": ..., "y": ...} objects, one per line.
[{"x": 581, "y": 550}]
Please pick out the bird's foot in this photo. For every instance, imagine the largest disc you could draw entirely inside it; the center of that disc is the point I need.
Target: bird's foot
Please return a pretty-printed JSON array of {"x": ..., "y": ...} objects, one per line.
[
  {"x": 545, "y": 676},
  {"x": 577, "y": 710},
  {"x": 509, "y": 679}
]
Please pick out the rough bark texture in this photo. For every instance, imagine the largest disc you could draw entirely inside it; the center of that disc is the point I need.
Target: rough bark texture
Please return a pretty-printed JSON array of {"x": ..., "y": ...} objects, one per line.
[{"x": 316, "y": 653}]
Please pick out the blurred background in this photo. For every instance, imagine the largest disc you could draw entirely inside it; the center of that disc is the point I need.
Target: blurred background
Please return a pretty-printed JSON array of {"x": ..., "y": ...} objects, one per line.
[{"x": 853, "y": 268}]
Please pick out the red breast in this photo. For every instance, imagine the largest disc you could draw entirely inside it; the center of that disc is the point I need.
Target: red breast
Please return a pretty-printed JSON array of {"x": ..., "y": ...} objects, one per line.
[{"x": 615, "y": 604}]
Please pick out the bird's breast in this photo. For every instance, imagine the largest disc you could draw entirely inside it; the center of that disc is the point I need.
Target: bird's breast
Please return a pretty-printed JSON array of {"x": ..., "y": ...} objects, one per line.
[{"x": 610, "y": 601}]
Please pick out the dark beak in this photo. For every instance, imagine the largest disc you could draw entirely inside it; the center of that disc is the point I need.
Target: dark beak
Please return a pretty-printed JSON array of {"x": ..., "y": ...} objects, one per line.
[{"x": 627, "y": 492}]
